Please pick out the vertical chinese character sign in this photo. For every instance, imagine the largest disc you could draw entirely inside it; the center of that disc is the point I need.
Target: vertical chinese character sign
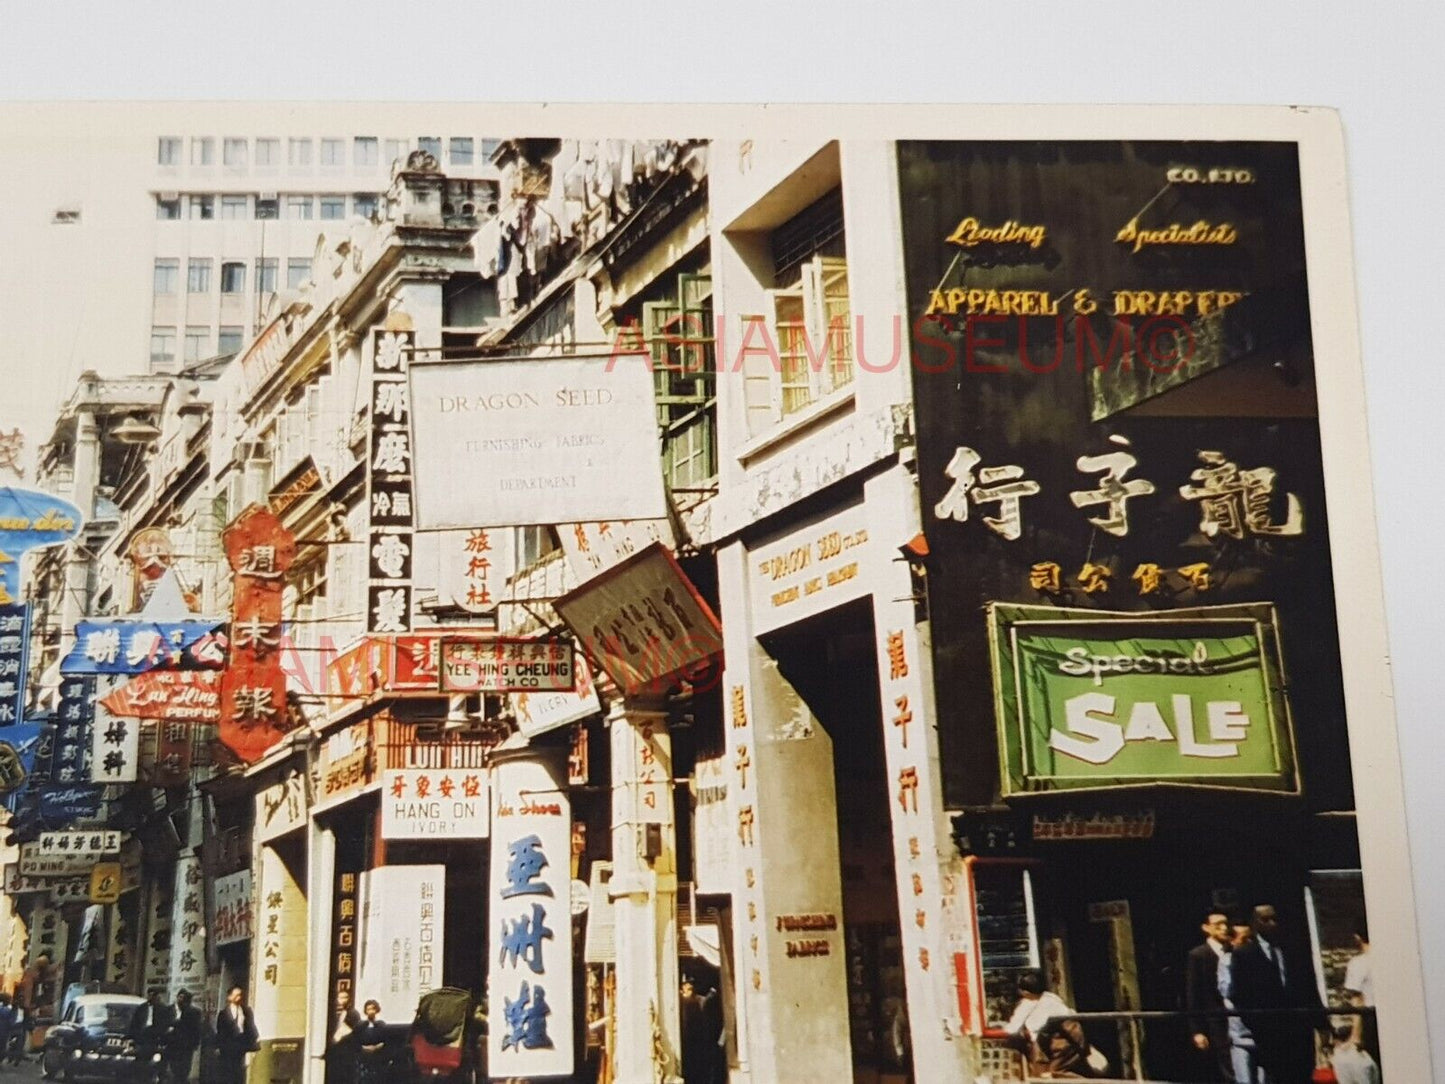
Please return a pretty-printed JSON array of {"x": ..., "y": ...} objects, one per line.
[
  {"x": 188, "y": 928},
  {"x": 402, "y": 933},
  {"x": 74, "y": 715},
  {"x": 253, "y": 687},
  {"x": 344, "y": 948},
  {"x": 531, "y": 962},
  {"x": 160, "y": 897},
  {"x": 114, "y": 747},
  {"x": 14, "y": 642},
  {"x": 390, "y": 540}
]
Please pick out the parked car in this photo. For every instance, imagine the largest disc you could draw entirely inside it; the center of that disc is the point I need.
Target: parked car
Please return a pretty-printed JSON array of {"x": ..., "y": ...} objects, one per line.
[
  {"x": 91, "y": 1043},
  {"x": 75, "y": 989}
]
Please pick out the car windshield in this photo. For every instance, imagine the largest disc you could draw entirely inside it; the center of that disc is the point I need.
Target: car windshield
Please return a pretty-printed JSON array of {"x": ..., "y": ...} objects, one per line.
[{"x": 115, "y": 1016}]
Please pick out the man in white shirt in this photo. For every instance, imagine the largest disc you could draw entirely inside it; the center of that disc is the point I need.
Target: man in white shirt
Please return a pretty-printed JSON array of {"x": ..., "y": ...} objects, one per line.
[
  {"x": 1056, "y": 1045},
  {"x": 1360, "y": 988},
  {"x": 1035, "y": 1009}
]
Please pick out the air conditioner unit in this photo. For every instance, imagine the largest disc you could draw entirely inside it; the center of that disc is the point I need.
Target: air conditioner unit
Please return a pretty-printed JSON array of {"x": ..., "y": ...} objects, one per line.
[
  {"x": 168, "y": 196},
  {"x": 266, "y": 195}
]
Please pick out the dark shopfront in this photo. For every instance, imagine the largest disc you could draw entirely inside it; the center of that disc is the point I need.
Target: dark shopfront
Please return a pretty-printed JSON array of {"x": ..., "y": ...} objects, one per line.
[
  {"x": 1111, "y": 920},
  {"x": 1130, "y": 585},
  {"x": 830, "y": 661}
]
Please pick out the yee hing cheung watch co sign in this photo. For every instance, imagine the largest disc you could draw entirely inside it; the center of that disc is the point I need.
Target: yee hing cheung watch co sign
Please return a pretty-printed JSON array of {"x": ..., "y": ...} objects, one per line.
[{"x": 1090, "y": 701}]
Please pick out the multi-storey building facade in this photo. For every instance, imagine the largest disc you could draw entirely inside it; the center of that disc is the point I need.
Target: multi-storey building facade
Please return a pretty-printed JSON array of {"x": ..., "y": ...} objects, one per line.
[{"x": 238, "y": 217}]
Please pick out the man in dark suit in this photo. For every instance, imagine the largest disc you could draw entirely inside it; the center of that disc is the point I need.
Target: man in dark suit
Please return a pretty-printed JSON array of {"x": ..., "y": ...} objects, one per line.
[
  {"x": 236, "y": 1036},
  {"x": 183, "y": 1040},
  {"x": 1264, "y": 976},
  {"x": 150, "y": 1025},
  {"x": 1210, "y": 1034}
]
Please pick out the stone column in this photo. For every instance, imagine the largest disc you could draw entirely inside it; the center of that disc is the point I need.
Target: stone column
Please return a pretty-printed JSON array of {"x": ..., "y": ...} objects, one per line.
[
  {"x": 927, "y": 871},
  {"x": 644, "y": 892}
]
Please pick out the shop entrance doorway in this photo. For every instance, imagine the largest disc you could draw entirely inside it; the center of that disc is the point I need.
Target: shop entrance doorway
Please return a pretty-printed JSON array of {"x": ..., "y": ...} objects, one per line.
[{"x": 830, "y": 662}]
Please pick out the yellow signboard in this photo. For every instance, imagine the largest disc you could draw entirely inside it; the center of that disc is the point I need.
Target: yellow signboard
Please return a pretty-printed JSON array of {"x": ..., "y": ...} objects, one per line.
[{"x": 105, "y": 881}]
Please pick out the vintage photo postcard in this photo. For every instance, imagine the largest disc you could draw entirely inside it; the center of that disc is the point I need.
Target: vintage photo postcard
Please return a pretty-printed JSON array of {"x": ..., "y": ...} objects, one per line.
[{"x": 691, "y": 594}]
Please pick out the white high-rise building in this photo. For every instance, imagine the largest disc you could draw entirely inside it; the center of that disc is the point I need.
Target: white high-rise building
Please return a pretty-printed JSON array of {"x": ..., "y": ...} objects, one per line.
[
  {"x": 114, "y": 210},
  {"x": 238, "y": 216}
]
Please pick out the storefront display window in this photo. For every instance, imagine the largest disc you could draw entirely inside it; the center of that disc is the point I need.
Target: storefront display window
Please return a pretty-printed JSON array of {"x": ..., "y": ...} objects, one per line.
[{"x": 1008, "y": 939}]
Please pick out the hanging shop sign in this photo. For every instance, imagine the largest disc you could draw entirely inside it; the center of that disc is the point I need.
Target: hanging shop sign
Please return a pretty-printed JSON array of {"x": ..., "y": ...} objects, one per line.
[
  {"x": 345, "y": 764},
  {"x": 530, "y": 976},
  {"x": 390, "y": 486},
  {"x": 281, "y": 807},
  {"x": 254, "y": 714},
  {"x": 538, "y": 711},
  {"x": 105, "y": 883},
  {"x": 579, "y": 767},
  {"x": 34, "y": 864},
  {"x": 64, "y": 805},
  {"x": 1186, "y": 697},
  {"x": 1135, "y": 825},
  {"x": 74, "y": 714},
  {"x": 422, "y": 803},
  {"x": 414, "y": 663},
  {"x": 114, "y": 747},
  {"x": 810, "y": 570},
  {"x": 344, "y": 947},
  {"x": 303, "y": 481},
  {"x": 14, "y": 660},
  {"x": 712, "y": 827},
  {"x": 49, "y": 937},
  {"x": 30, "y": 520},
  {"x": 174, "y": 746},
  {"x": 118, "y": 950},
  {"x": 643, "y": 622},
  {"x": 502, "y": 665},
  {"x": 538, "y": 441},
  {"x": 474, "y": 566},
  {"x": 92, "y": 844},
  {"x": 61, "y": 890},
  {"x": 233, "y": 909},
  {"x": 188, "y": 926},
  {"x": 176, "y": 695},
  {"x": 155, "y": 974},
  {"x": 403, "y": 922},
  {"x": 358, "y": 674},
  {"x": 590, "y": 548},
  {"x": 135, "y": 647}
]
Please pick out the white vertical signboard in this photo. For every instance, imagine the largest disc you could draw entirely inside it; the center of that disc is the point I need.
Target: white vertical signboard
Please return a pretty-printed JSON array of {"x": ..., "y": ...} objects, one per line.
[
  {"x": 530, "y": 1008},
  {"x": 114, "y": 743},
  {"x": 188, "y": 928},
  {"x": 402, "y": 922}
]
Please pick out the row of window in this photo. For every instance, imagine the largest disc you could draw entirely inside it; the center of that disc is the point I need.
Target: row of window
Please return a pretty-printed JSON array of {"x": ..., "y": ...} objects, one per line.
[
  {"x": 197, "y": 344},
  {"x": 244, "y": 206},
  {"x": 233, "y": 275},
  {"x": 239, "y": 152}
]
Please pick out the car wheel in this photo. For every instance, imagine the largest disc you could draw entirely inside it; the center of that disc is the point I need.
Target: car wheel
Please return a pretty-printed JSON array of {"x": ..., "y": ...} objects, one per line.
[{"x": 52, "y": 1064}]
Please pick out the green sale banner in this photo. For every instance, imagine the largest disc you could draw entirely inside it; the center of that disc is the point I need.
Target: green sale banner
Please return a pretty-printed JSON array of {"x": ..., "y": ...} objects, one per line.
[{"x": 1184, "y": 697}]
